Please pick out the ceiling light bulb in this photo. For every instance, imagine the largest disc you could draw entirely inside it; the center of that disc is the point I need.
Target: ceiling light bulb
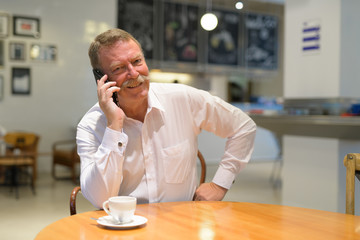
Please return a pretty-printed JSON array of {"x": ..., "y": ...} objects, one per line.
[
  {"x": 239, "y": 5},
  {"x": 209, "y": 21}
]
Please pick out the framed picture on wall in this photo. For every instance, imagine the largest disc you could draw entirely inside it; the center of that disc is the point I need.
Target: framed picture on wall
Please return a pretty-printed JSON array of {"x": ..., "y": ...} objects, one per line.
[
  {"x": 4, "y": 24},
  {"x": 137, "y": 17},
  {"x": 26, "y": 26},
  {"x": 261, "y": 50},
  {"x": 17, "y": 51},
  {"x": 21, "y": 81},
  {"x": 1, "y": 87},
  {"x": 43, "y": 52},
  {"x": 180, "y": 32},
  {"x": 223, "y": 40}
]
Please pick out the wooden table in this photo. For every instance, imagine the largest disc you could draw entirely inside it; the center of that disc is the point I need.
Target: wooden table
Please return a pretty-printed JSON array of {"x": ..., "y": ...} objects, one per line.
[
  {"x": 14, "y": 161},
  {"x": 214, "y": 220}
]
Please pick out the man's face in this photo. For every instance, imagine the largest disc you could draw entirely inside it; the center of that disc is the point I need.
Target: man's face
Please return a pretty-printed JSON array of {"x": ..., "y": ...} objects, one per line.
[{"x": 125, "y": 64}]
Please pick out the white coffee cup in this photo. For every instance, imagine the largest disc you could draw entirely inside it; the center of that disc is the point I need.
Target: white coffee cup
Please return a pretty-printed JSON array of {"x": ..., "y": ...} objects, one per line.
[{"x": 121, "y": 208}]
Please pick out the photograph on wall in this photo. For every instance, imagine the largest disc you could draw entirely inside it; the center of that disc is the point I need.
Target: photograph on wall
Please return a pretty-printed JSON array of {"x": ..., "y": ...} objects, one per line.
[
  {"x": 261, "y": 41},
  {"x": 26, "y": 26},
  {"x": 4, "y": 24},
  {"x": 21, "y": 81},
  {"x": 17, "y": 51},
  {"x": 180, "y": 32},
  {"x": 136, "y": 17},
  {"x": 43, "y": 52},
  {"x": 223, "y": 40}
]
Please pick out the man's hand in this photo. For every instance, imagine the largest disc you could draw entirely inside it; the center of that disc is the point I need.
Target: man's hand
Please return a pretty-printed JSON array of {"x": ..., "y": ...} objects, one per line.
[
  {"x": 114, "y": 114},
  {"x": 210, "y": 192}
]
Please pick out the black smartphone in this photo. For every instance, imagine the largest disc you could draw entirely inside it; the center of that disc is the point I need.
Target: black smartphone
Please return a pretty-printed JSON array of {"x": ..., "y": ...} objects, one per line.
[{"x": 98, "y": 74}]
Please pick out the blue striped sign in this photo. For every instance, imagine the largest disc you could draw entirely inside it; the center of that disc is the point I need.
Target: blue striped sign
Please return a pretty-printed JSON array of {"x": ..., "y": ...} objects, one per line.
[{"x": 311, "y": 36}]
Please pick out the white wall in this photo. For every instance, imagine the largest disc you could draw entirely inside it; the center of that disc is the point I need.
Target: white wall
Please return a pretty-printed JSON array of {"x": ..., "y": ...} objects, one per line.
[
  {"x": 310, "y": 173},
  {"x": 63, "y": 91},
  {"x": 312, "y": 75},
  {"x": 350, "y": 51},
  {"x": 314, "y": 175},
  {"x": 332, "y": 71}
]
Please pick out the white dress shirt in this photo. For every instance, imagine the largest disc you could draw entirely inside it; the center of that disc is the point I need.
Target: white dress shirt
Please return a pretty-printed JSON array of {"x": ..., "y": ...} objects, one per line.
[{"x": 155, "y": 161}]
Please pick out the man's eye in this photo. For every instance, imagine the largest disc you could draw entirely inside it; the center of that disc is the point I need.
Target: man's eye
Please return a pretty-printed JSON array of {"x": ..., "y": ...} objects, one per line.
[
  {"x": 118, "y": 69},
  {"x": 137, "y": 61}
]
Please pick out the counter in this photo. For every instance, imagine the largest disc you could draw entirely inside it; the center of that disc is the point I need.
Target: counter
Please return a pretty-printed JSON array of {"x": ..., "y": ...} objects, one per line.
[{"x": 310, "y": 125}]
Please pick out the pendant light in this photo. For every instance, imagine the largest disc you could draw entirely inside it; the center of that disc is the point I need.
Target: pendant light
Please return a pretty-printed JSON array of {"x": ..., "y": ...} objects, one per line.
[
  {"x": 209, "y": 20},
  {"x": 239, "y": 5}
]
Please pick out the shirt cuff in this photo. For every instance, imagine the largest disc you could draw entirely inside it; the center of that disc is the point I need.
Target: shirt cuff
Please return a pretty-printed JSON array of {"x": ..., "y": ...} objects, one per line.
[
  {"x": 115, "y": 140},
  {"x": 224, "y": 178}
]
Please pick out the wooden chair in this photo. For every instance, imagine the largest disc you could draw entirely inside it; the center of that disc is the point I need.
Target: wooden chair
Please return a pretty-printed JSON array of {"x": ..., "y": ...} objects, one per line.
[
  {"x": 65, "y": 153},
  {"x": 27, "y": 145},
  {"x": 352, "y": 164},
  {"x": 76, "y": 189}
]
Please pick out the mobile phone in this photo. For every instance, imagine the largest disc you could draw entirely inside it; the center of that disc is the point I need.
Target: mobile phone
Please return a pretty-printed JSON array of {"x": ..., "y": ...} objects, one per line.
[{"x": 98, "y": 74}]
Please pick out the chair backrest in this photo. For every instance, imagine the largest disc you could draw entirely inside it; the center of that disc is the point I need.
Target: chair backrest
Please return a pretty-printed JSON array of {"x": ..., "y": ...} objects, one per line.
[
  {"x": 203, "y": 167},
  {"x": 77, "y": 189},
  {"x": 352, "y": 164},
  {"x": 25, "y": 141}
]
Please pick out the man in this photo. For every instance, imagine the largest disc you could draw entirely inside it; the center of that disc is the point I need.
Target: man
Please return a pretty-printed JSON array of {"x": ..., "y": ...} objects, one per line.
[{"x": 145, "y": 144}]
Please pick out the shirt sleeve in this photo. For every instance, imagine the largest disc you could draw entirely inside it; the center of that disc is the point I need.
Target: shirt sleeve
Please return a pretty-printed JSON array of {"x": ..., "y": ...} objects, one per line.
[
  {"x": 101, "y": 151},
  {"x": 227, "y": 121}
]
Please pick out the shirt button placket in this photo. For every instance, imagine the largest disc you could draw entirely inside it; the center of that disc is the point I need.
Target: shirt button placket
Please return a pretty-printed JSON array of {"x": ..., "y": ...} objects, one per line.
[{"x": 149, "y": 168}]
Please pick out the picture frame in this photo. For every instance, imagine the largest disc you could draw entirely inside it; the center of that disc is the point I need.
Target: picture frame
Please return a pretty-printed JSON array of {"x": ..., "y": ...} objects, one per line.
[
  {"x": 21, "y": 81},
  {"x": 261, "y": 41},
  {"x": 4, "y": 24},
  {"x": 43, "y": 52},
  {"x": 180, "y": 40},
  {"x": 17, "y": 51},
  {"x": 1, "y": 87},
  {"x": 222, "y": 44},
  {"x": 137, "y": 18},
  {"x": 26, "y": 26}
]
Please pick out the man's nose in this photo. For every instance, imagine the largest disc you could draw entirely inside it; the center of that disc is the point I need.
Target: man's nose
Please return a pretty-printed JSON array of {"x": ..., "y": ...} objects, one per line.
[{"x": 132, "y": 73}]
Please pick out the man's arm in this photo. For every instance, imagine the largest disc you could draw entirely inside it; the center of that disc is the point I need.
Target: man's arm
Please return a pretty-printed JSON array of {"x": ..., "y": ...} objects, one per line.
[
  {"x": 101, "y": 146},
  {"x": 101, "y": 161},
  {"x": 224, "y": 120}
]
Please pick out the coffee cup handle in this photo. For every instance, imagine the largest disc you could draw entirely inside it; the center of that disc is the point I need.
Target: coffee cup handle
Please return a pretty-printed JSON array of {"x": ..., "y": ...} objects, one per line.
[{"x": 106, "y": 207}]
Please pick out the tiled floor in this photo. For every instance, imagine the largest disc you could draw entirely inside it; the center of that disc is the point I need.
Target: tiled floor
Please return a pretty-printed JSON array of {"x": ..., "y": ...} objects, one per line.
[{"x": 23, "y": 218}]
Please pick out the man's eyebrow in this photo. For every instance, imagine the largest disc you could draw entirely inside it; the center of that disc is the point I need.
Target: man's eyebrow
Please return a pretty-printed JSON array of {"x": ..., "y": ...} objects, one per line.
[
  {"x": 139, "y": 55},
  {"x": 115, "y": 64}
]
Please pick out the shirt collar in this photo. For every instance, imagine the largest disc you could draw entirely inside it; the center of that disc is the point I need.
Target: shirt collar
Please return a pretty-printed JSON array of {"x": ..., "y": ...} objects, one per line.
[{"x": 153, "y": 101}]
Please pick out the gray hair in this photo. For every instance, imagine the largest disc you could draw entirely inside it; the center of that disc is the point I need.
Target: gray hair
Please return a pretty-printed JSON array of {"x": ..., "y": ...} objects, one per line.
[{"x": 106, "y": 39}]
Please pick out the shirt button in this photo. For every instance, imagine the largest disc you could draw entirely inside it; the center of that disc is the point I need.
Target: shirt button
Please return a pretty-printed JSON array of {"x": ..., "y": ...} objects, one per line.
[{"x": 120, "y": 144}]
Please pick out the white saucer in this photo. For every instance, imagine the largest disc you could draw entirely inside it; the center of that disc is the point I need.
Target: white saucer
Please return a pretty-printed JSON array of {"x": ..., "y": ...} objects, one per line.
[{"x": 108, "y": 221}]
